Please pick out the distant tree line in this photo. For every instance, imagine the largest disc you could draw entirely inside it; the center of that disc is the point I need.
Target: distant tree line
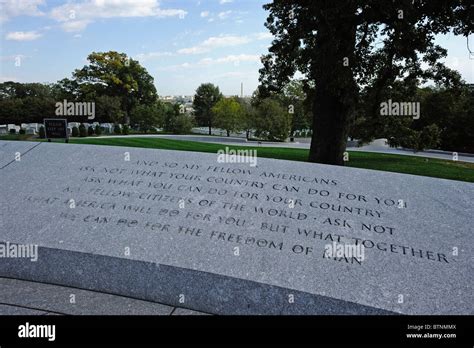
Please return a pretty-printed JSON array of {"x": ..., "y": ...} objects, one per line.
[
  {"x": 124, "y": 93},
  {"x": 274, "y": 117},
  {"x": 122, "y": 90}
]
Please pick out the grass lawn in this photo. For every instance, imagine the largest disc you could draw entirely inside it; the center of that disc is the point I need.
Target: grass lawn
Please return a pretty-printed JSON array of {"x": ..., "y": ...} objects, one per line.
[
  {"x": 436, "y": 168},
  {"x": 17, "y": 137},
  {"x": 432, "y": 167}
]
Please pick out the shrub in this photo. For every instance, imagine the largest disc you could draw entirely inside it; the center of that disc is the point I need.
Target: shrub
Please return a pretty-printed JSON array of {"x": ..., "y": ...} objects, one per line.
[
  {"x": 117, "y": 129},
  {"x": 13, "y": 131},
  {"x": 125, "y": 130},
  {"x": 82, "y": 131},
  {"x": 90, "y": 131},
  {"x": 272, "y": 121},
  {"x": 181, "y": 124},
  {"x": 75, "y": 132},
  {"x": 98, "y": 130},
  {"x": 42, "y": 133},
  {"x": 22, "y": 131}
]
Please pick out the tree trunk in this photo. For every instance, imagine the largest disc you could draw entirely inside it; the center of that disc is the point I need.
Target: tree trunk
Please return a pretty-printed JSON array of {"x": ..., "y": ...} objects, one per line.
[
  {"x": 228, "y": 133},
  {"x": 330, "y": 130},
  {"x": 210, "y": 129},
  {"x": 335, "y": 95}
]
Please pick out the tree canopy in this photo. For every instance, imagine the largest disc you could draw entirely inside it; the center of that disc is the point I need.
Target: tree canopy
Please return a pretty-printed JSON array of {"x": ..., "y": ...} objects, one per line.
[
  {"x": 207, "y": 95},
  {"x": 343, "y": 46},
  {"x": 115, "y": 75},
  {"x": 228, "y": 115}
]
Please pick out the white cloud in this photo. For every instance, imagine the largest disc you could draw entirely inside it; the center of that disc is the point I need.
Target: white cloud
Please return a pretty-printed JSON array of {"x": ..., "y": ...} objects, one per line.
[
  {"x": 223, "y": 41},
  {"x": 215, "y": 42},
  {"x": 204, "y": 14},
  {"x": 223, "y": 15},
  {"x": 72, "y": 26},
  {"x": 14, "y": 8},
  {"x": 151, "y": 55},
  {"x": 234, "y": 59},
  {"x": 88, "y": 10},
  {"x": 232, "y": 74},
  {"x": 222, "y": 2},
  {"x": 22, "y": 35},
  {"x": 263, "y": 36}
]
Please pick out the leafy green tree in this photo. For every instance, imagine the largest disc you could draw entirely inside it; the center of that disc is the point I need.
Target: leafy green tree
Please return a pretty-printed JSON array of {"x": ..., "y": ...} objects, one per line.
[
  {"x": 452, "y": 110},
  {"x": 147, "y": 117},
  {"x": 12, "y": 89},
  {"x": 248, "y": 116},
  {"x": 25, "y": 102},
  {"x": 296, "y": 97},
  {"x": 447, "y": 107},
  {"x": 174, "y": 121},
  {"x": 339, "y": 46},
  {"x": 228, "y": 115},
  {"x": 66, "y": 89},
  {"x": 182, "y": 124},
  {"x": 115, "y": 75},
  {"x": 273, "y": 122},
  {"x": 426, "y": 138},
  {"x": 11, "y": 111},
  {"x": 109, "y": 109},
  {"x": 207, "y": 95}
]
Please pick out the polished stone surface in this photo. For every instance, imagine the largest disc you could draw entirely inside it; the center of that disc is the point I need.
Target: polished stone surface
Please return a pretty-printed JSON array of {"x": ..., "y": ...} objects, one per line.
[{"x": 183, "y": 229}]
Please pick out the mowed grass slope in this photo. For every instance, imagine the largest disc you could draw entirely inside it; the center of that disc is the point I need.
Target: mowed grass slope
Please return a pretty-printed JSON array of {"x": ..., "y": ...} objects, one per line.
[{"x": 436, "y": 168}]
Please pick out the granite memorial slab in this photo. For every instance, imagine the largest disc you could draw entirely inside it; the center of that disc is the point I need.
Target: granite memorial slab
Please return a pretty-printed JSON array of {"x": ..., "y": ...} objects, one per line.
[
  {"x": 190, "y": 230},
  {"x": 12, "y": 151}
]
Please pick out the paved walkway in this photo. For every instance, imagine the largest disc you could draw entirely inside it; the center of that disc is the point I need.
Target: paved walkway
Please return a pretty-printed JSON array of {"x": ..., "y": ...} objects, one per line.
[
  {"x": 20, "y": 297},
  {"x": 378, "y": 145}
]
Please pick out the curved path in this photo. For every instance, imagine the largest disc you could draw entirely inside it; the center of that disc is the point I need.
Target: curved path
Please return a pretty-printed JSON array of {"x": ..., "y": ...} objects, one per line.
[
  {"x": 21, "y": 297},
  {"x": 377, "y": 146}
]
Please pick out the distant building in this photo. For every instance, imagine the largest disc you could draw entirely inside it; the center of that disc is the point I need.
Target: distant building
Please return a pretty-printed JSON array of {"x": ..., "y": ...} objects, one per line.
[{"x": 180, "y": 99}]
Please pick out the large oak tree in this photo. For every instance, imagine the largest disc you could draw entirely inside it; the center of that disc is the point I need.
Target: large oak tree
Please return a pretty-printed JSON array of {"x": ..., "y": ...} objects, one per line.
[
  {"x": 114, "y": 74},
  {"x": 341, "y": 46}
]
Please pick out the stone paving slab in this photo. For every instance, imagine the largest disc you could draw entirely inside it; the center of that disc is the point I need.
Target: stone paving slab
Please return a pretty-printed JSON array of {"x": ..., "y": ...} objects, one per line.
[
  {"x": 228, "y": 238},
  {"x": 16, "y": 310},
  {"x": 57, "y": 299},
  {"x": 12, "y": 150},
  {"x": 184, "y": 311}
]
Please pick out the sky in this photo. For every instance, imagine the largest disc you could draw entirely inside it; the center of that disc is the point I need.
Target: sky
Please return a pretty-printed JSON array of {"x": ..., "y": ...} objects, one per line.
[{"x": 181, "y": 43}]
